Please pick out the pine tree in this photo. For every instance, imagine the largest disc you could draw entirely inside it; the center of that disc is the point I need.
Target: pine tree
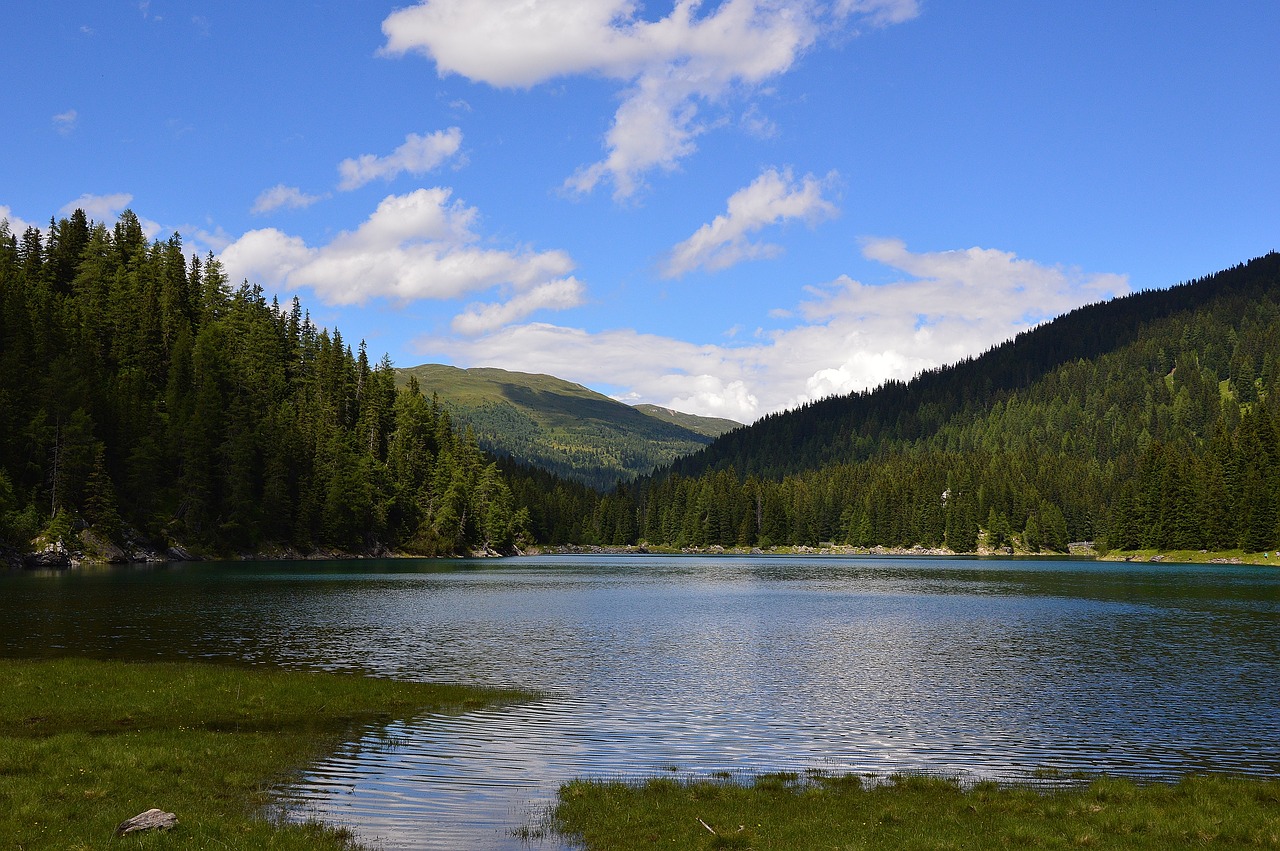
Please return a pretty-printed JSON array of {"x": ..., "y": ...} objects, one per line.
[{"x": 100, "y": 500}]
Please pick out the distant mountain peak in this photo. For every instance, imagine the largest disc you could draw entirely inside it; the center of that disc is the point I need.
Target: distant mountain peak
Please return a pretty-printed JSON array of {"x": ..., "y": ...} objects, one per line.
[
  {"x": 563, "y": 427},
  {"x": 709, "y": 426}
]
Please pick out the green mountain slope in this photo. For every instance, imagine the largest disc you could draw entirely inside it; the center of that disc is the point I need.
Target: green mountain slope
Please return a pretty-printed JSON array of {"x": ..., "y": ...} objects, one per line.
[
  {"x": 854, "y": 427},
  {"x": 558, "y": 425},
  {"x": 709, "y": 426},
  {"x": 1148, "y": 422}
]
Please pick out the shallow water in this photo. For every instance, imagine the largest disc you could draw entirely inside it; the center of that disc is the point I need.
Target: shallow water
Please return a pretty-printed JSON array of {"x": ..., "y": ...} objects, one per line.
[{"x": 987, "y": 669}]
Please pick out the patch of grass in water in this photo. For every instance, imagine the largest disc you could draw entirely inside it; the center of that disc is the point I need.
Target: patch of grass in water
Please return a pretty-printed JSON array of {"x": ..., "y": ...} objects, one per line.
[
  {"x": 86, "y": 744},
  {"x": 912, "y": 812}
]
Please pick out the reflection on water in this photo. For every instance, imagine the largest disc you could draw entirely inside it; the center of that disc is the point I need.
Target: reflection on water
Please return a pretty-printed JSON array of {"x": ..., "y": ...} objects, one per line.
[{"x": 984, "y": 668}]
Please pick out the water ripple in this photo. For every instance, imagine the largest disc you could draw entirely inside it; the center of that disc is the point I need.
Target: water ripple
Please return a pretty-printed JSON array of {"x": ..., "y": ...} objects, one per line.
[{"x": 961, "y": 667}]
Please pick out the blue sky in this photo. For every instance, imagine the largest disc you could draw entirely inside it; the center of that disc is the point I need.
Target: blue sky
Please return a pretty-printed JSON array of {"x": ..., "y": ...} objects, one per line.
[{"x": 724, "y": 207}]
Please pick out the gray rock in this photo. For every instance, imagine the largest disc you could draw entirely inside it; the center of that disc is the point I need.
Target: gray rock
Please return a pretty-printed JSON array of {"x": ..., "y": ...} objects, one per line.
[{"x": 152, "y": 819}]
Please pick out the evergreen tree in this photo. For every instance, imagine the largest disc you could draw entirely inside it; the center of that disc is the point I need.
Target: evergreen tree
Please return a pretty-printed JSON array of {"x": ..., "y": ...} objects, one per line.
[{"x": 100, "y": 500}]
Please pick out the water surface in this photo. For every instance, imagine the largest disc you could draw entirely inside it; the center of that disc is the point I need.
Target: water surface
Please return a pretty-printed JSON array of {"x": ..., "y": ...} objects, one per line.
[{"x": 988, "y": 669}]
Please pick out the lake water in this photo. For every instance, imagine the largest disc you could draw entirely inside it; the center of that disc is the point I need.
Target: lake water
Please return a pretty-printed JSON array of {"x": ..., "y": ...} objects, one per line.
[{"x": 983, "y": 669}]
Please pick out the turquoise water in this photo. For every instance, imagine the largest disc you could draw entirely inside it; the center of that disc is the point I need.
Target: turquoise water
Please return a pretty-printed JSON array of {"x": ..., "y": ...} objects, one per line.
[{"x": 985, "y": 669}]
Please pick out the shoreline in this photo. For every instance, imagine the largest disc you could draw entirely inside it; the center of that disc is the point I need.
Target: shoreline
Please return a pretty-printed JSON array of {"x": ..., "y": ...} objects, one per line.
[
  {"x": 1082, "y": 550},
  {"x": 95, "y": 554},
  {"x": 89, "y": 742},
  {"x": 786, "y": 810}
]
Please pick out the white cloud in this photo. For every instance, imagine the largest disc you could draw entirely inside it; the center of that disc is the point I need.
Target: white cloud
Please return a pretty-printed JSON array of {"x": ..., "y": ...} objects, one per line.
[
  {"x": 702, "y": 378},
  {"x": 553, "y": 295},
  {"x": 880, "y": 13},
  {"x": 654, "y": 128},
  {"x": 283, "y": 196},
  {"x": 98, "y": 207},
  {"x": 17, "y": 226},
  {"x": 852, "y": 336},
  {"x": 669, "y": 66},
  {"x": 418, "y": 155},
  {"x": 756, "y": 123},
  {"x": 107, "y": 208},
  {"x": 976, "y": 285},
  {"x": 415, "y": 246},
  {"x": 65, "y": 122},
  {"x": 200, "y": 240},
  {"x": 771, "y": 198},
  {"x": 267, "y": 256}
]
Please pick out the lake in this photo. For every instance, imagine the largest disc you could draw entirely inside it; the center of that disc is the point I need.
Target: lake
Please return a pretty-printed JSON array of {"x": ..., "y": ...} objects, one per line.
[{"x": 652, "y": 664}]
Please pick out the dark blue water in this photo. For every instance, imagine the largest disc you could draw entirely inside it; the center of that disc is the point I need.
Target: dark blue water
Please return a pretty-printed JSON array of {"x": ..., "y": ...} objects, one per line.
[{"x": 985, "y": 669}]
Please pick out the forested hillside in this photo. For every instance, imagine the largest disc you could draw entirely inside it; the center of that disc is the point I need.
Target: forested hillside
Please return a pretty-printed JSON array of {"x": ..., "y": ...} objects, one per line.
[
  {"x": 145, "y": 398},
  {"x": 1149, "y": 421}
]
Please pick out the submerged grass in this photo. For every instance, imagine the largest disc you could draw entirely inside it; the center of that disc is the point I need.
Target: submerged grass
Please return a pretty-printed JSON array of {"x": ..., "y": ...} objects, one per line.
[
  {"x": 781, "y": 811},
  {"x": 86, "y": 744}
]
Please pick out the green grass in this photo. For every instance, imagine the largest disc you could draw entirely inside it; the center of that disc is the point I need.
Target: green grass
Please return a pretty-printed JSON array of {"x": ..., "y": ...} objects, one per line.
[
  {"x": 1194, "y": 556},
  {"x": 782, "y": 811},
  {"x": 86, "y": 744}
]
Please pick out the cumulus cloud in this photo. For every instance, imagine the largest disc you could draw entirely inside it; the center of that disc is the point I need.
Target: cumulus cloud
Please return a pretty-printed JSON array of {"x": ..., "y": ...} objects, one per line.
[
  {"x": 848, "y": 336},
  {"x": 417, "y": 156},
  {"x": 553, "y": 295},
  {"x": 653, "y": 128},
  {"x": 668, "y": 67},
  {"x": 17, "y": 225},
  {"x": 283, "y": 196},
  {"x": 106, "y": 208},
  {"x": 98, "y": 207},
  {"x": 983, "y": 286},
  {"x": 203, "y": 239},
  {"x": 415, "y": 246},
  {"x": 707, "y": 379},
  {"x": 773, "y": 197},
  {"x": 65, "y": 122}
]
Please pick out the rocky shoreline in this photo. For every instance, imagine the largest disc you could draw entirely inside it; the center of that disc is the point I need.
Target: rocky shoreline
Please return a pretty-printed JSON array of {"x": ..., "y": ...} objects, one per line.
[
  {"x": 89, "y": 548},
  {"x": 95, "y": 550}
]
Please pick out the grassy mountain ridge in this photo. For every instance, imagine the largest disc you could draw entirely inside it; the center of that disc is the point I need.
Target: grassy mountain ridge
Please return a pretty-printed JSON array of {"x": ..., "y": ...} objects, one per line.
[
  {"x": 709, "y": 426},
  {"x": 560, "y": 426}
]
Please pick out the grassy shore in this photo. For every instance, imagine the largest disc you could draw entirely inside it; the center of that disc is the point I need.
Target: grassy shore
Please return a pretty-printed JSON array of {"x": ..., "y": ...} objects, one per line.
[
  {"x": 1173, "y": 556},
  {"x": 1195, "y": 556},
  {"x": 787, "y": 813},
  {"x": 86, "y": 744}
]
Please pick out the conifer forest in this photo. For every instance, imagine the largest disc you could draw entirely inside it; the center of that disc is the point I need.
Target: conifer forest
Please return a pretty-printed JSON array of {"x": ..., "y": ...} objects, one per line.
[{"x": 145, "y": 399}]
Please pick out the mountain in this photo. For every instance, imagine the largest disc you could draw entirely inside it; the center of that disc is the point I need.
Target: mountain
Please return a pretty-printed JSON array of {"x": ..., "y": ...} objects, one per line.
[
  {"x": 1150, "y": 421},
  {"x": 560, "y": 426},
  {"x": 709, "y": 426},
  {"x": 858, "y": 426}
]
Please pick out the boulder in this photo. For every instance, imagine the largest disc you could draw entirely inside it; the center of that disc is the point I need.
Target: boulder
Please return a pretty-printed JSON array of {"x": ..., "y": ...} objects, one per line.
[
  {"x": 53, "y": 555},
  {"x": 152, "y": 819}
]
